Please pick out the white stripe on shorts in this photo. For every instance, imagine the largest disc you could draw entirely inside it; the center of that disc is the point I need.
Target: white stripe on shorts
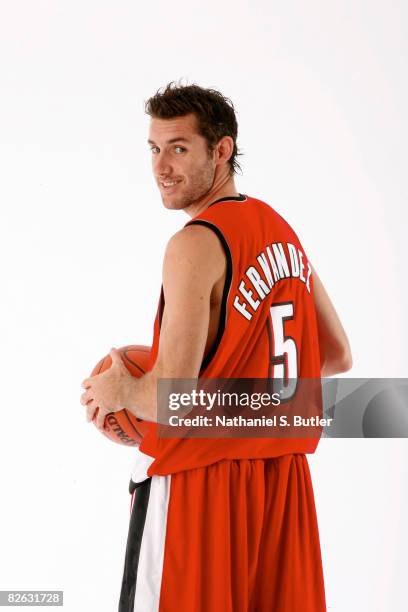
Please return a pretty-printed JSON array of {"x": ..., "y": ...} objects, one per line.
[
  {"x": 150, "y": 566},
  {"x": 141, "y": 463}
]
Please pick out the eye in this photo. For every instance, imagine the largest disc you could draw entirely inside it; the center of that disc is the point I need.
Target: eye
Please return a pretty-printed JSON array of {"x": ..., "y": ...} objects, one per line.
[
  {"x": 180, "y": 149},
  {"x": 154, "y": 149}
]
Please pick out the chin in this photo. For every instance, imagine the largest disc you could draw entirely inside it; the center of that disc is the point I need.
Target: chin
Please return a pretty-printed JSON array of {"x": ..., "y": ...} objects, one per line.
[
  {"x": 169, "y": 203},
  {"x": 173, "y": 204}
]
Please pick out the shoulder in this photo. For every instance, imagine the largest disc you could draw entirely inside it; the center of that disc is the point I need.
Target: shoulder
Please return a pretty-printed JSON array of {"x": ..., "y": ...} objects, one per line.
[
  {"x": 195, "y": 249},
  {"x": 196, "y": 241}
]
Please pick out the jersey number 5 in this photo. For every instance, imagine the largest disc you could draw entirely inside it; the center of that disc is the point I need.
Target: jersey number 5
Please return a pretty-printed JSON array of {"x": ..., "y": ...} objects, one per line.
[{"x": 283, "y": 353}]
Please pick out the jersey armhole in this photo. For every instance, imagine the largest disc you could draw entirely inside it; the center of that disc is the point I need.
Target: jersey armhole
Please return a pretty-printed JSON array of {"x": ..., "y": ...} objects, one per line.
[{"x": 227, "y": 285}]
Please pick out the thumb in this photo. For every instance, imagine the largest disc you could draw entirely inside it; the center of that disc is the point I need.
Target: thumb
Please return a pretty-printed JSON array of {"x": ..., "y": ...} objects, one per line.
[{"x": 115, "y": 356}]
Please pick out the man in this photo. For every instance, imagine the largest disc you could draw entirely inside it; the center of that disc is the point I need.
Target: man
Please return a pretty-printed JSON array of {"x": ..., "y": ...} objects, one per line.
[{"x": 222, "y": 524}]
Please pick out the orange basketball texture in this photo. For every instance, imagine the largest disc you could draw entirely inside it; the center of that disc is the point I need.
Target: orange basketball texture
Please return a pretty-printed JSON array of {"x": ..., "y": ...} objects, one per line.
[{"x": 122, "y": 426}]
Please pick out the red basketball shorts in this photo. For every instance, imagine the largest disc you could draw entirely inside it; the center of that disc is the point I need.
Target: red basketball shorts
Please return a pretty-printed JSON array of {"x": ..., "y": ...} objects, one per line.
[{"x": 235, "y": 536}]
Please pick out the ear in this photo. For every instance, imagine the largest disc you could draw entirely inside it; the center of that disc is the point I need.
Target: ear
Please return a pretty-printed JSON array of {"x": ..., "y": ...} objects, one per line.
[{"x": 224, "y": 149}]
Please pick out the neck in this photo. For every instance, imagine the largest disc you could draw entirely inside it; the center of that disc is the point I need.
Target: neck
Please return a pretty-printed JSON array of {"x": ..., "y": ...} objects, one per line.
[{"x": 223, "y": 187}]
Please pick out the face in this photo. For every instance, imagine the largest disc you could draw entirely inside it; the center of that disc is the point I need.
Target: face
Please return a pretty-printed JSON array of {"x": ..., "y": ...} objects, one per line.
[{"x": 182, "y": 165}]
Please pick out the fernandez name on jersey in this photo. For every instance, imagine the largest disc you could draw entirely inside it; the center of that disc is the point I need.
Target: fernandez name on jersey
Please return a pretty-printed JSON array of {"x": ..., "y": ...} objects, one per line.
[{"x": 274, "y": 267}]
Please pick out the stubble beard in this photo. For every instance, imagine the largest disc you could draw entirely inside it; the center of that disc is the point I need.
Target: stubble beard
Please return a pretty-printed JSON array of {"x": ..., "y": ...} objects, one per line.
[{"x": 199, "y": 184}]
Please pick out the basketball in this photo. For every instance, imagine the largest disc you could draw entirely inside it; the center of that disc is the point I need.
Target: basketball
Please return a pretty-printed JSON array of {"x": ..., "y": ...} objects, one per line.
[{"x": 122, "y": 426}]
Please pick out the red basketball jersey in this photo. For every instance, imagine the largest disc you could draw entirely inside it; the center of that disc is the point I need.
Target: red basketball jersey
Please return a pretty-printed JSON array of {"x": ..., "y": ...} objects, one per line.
[{"x": 267, "y": 327}]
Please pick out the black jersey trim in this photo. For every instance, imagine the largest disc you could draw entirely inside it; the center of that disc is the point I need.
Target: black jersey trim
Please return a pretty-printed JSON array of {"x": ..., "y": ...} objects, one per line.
[
  {"x": 161, "y": 306},
  {"x": 240, "y": 198},
  {"x": 227, "y": 285}
]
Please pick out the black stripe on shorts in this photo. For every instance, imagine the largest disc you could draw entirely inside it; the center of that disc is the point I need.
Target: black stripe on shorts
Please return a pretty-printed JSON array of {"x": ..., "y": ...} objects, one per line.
[{"x": 134, "y": 540}]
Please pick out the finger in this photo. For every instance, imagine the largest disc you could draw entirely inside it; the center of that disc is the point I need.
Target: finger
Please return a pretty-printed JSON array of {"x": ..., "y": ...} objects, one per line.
[
  {"x": 100, "y": 418},
  {"x": 85, "y": 397},
  {"x": 91, "y": 409}
]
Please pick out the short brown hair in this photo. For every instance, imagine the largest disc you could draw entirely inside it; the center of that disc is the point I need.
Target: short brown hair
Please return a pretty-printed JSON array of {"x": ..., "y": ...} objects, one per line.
[{"x": 215, "y": 113}]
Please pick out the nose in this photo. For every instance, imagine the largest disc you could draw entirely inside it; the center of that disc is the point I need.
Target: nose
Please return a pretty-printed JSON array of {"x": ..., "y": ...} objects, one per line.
[{"x": 161, "y": 164}]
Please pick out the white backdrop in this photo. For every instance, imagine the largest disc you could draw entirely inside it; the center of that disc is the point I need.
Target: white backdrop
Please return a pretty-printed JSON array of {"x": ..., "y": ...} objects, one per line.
[{"x": 319, "y": 90}]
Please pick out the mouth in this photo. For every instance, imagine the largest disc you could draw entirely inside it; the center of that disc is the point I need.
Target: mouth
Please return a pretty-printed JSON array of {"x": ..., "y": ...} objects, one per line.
[{"x": 169, "y": 186}]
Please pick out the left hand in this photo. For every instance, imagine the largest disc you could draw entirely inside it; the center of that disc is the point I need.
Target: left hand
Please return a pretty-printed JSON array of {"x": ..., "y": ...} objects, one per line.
[{"x": 107, "y": 392}]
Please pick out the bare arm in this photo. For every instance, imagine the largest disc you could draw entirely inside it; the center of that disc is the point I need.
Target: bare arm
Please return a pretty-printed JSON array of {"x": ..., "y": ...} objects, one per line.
[
  {"x": 193, "y": 262},
  {"x": 333, "y": 343}
]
